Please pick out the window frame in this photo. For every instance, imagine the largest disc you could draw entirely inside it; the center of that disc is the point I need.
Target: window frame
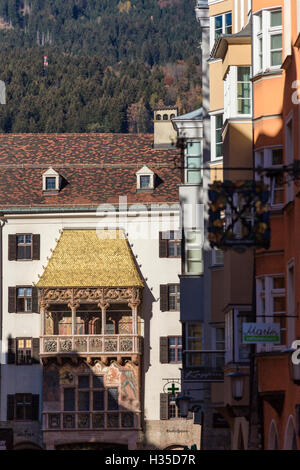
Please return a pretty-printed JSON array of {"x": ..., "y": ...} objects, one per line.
[
  {"x": 265, "y": 294},
  {"x": 25, "y": 348},
  {"x": 176, "y": 347},
  {"x": 264, "y": 158},
  {"x": 176, "y": 295},
  {"x": 23, "y": 297},
  {"x": 188, "y": 340},
  {"x": 193, "y": 169},
  {"x": 264, "y": 34},
  {"x": 25, "y": 245},
  {"x": 191, "y": 246},
  {"x": 234, "y": 319}
]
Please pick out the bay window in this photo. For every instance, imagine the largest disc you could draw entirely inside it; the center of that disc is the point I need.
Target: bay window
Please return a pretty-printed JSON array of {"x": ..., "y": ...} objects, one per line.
[
  {"x": 268, "y": 40},
  {"x": 193, "y": 252}
]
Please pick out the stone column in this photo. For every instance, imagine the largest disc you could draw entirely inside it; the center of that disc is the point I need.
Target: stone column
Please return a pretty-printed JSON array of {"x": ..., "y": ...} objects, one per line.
[
  {"x": 104, "y": 307},
  {"x": 73, "y": 307},
  {"x": 134, "y": 308}
]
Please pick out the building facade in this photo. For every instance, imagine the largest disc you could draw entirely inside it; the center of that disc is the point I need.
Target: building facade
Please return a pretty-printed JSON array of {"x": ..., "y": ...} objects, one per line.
[
  {"x": 276, "y": 70},
  {"x": 91, "y": 337}
]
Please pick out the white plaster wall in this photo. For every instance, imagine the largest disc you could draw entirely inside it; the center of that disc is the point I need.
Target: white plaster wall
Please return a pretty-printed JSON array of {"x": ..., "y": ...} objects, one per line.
[{"x": 143, "y": 234}]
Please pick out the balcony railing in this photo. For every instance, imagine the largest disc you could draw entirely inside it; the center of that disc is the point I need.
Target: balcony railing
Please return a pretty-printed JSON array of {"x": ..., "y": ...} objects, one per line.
[
  {"x": 203, "y": 366},
  {"x": 90, "y": 344},
  {"x": 90, "y": 420}
]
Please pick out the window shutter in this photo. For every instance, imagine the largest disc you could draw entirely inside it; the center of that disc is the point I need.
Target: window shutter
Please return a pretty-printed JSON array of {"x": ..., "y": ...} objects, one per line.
[
  {"x": 11, "y": 351},
  {"x": 164, "y": 350},
  {"x": 164, "y": 298},
  {"x": 163, "y": 246},
  {"x": 12, "y": 247},
  {"x": 35, "y": 407},
  {"x": 36, "y": 246},
  {"x": 35, "y": 350},
  {"x": 164, "y": 401},
  {"x": 10, "y": 407},
  {"x": 12, "y": 297},
  {"x": 35, "y": 304}
]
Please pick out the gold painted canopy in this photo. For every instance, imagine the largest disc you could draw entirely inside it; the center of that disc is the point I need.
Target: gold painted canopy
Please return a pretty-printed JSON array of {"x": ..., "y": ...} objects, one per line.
[{"x": 91, "y": 258}]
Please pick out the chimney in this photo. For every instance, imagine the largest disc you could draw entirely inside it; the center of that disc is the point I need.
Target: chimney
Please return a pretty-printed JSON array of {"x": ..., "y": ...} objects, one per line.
[{"x": 165, "y": 135}]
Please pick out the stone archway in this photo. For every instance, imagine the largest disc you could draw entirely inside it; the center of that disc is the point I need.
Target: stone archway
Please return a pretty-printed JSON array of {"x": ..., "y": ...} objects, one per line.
[{"x": 27, "y": 445}]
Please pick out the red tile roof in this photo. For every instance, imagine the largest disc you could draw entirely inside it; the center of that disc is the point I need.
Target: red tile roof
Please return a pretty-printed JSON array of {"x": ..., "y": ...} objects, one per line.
[{"x": 97, "y": 168}]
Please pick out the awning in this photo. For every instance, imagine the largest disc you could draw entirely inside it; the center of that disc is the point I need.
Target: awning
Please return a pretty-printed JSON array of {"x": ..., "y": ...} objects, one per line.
[{"x": 91, "y": 258}]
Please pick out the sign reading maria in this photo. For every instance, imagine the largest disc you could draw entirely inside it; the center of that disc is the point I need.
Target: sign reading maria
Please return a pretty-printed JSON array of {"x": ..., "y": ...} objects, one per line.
[{"x": 255, "y": 333}]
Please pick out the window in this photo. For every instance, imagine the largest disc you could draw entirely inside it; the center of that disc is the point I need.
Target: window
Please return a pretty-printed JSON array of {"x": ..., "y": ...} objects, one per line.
[
  {"x": 50, "y": 182},
  {"x": 218, "y": 121},
  {"x": 193, "y": 163},
  {"x": 235, "y": 350},
  {"x": 168, "y": 407},
  {"x": 220, "y": 346},
  {"x": 170, "y": 297},
  {"x": 23, "y": 407},
  {"x": 145, "y": 179},
  {"x": 24, "y": 246},
  {"x": 174, "y": 297},
  {"x": 193, "y": 252},
  {"x": 175, "y": 349},
  {"x": 271, "y": 303},
  {"x": 222, "y": 24},
  {"x": 158, "y": 117},
  {"x": 268, "y": 40},
  {"x": 170, "y": 244},
  {"x": 217, "y": 257},
  {"x": 24, "y": 351},
  {"x": 24, "y": 299},
  {"x": 194, "y": 343},
  {"x": 91, "y": 395},
  {"x": 243, "y": 90},
  {"x": 272, "y": 158}
]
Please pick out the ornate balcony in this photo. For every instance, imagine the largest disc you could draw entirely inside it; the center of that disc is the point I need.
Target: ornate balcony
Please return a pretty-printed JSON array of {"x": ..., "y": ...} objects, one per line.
[
  {"x": 91, "y": 420},
  {"x": 90, "y": 345}
]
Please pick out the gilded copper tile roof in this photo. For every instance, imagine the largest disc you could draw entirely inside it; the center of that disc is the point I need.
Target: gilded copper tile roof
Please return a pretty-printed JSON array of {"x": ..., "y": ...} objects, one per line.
[{"x": 84, "y": 258}]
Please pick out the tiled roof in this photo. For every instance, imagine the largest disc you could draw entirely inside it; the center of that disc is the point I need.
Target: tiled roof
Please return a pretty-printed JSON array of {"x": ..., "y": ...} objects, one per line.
[
  {"x": 96, "y": 168},
  {"x": 91, "y": 258}
]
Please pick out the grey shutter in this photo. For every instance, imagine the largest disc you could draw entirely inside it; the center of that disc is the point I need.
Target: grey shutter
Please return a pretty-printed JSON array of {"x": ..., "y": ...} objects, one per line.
[
  {"x": 164, "y": 401},
  {"x": 163, "y": 350},
  {"x": 35, "y": 407},
  {"x": 12, "y": 300},
  {"x": 10, "y": 407},
  {"x": 36, "y": 246},
  {"x": 11, "y": 351},
  {"x": 164, "y": 298},
  {"x": 35, "y": 304},
  {"x": 163, "y": 246},
  {"x": 12, "y": 247},
  {"x": 35, "y": 350}
]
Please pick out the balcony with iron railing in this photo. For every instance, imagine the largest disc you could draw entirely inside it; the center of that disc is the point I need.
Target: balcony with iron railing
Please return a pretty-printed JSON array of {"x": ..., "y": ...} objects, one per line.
[{"x": 203, "y": 366}]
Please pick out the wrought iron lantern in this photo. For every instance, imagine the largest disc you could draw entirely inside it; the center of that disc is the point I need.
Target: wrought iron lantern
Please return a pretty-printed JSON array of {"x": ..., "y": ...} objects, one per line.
[
  {"x": 239, "y": 215},
  {"x": 183, "y": 403},
  {"x": 237, "y": 384}
]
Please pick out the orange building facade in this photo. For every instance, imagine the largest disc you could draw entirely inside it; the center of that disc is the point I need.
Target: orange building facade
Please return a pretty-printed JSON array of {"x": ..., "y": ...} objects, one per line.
[{"x": 276, "y": 140}]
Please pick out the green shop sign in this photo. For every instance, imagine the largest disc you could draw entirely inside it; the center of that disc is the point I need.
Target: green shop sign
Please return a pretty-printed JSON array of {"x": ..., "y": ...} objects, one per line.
[{"x": 256, "y": 333}]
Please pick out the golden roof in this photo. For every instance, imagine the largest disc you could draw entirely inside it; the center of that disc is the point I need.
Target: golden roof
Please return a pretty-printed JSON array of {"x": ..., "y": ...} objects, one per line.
[{"x": 91, "y": 258}]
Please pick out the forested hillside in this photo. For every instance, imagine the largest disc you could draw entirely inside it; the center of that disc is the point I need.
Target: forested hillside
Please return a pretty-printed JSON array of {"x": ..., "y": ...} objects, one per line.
[{"x": 109, "y": 63}]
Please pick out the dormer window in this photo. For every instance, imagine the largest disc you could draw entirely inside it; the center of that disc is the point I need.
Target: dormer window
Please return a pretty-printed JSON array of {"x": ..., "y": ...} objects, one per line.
[
  {"x": 51, "y": 181},
  {"x": 145, "y": 179}
]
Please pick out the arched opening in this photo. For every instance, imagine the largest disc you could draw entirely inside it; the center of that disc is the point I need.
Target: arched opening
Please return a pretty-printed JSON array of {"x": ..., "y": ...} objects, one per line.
[
  {"x": 240, "y": 442},
  {"x": 172, "y": 116},
  {"x": 290, "y": 438},
  {"x": 175, "y": 447},
  {"x": 273, "y": 443},
  {"x": 158, "y": 117},
  {"x": 25, "y": 445},
  {"x": 165, "y": 117}
]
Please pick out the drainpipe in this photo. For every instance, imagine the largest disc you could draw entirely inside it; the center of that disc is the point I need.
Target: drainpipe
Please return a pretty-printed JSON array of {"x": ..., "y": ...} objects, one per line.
[{"x": 2, "y": 223}]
